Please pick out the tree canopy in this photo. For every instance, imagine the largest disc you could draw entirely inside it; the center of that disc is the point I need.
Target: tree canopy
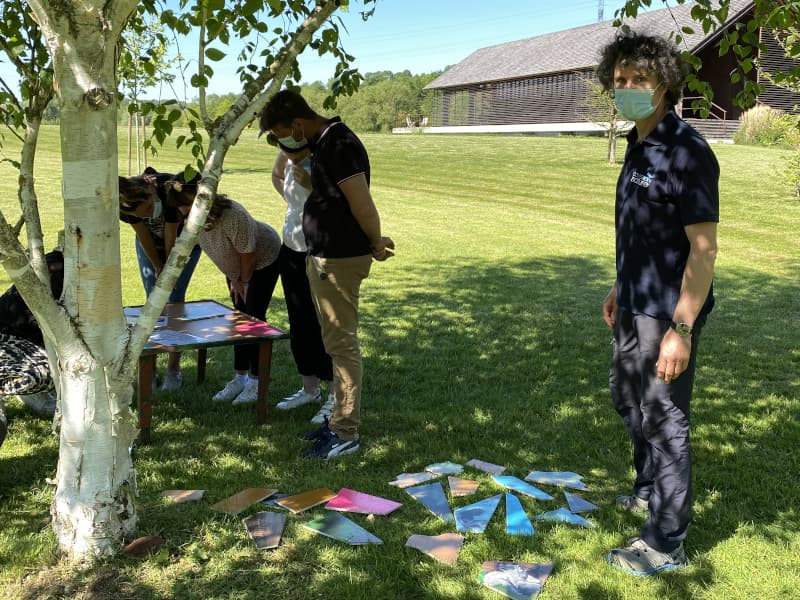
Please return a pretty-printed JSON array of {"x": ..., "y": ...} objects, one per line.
[{"x": 742, "y": 39}]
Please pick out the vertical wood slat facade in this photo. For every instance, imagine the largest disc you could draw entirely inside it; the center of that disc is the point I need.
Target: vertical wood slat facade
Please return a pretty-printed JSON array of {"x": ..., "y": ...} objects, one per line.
[
  {"x": 773, "y": 60},
  {"x": 547, "y": 99},
  {"x": 553, "y": 98}
]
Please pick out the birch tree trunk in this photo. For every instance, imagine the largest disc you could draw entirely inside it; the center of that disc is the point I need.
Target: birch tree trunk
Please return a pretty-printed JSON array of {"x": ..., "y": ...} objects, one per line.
[
  {"x": 93, "y": 508},
  {"x": 93, "y": 353}
]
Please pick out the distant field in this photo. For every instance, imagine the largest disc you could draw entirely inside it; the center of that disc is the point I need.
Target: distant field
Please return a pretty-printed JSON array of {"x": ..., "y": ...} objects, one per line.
[{"x": 482, "y": 339}]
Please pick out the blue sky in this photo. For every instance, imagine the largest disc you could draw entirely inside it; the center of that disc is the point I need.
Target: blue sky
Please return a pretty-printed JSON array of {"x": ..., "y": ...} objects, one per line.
[{"x": 426, "y": 35}]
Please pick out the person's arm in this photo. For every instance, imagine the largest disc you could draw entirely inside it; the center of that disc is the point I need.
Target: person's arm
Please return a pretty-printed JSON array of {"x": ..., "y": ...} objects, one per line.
[
  {"x": 278, "y": 170},
  {"x": 356, "y": 190},
  {"x": 170, "y": 235},
  {"x": 673, "y": 358},
  {"x": 148, "y": 245},
  {"x": 247, "y": 265},
  {"x": 610, "y": 307}
]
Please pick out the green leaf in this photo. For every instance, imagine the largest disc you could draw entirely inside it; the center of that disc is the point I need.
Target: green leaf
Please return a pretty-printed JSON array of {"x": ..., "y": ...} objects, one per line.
[{"x": 214, "y": 54}]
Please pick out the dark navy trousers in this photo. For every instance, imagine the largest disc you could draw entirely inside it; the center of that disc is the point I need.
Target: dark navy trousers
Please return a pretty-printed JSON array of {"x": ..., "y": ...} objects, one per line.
[{"x": 656, "y": 415}]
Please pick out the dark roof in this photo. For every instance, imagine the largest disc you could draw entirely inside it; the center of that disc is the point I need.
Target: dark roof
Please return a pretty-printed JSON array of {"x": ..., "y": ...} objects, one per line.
[{"x": 575, "y": 49}]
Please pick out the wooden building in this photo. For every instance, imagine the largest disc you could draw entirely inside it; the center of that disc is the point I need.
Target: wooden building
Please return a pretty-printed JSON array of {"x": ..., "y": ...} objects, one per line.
[{"x": 539, "y": 84}]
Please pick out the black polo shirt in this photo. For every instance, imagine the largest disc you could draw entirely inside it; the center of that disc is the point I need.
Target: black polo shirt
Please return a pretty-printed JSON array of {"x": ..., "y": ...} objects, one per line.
[
  {"x": 669, "y": 180},
  {"x": 330, "y": 229}
]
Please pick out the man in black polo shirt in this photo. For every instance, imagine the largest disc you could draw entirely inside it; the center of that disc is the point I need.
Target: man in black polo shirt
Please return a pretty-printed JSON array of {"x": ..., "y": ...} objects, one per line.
[
  {"x": 343, "y": 234},
  {"x": 667, "y": 209}
]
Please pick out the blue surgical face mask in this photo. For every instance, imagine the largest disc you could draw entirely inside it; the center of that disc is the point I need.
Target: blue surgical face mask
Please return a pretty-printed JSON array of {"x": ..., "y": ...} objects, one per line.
[
  {"x": 635, "y": 104},
  {"x": 293, "y": 144}
]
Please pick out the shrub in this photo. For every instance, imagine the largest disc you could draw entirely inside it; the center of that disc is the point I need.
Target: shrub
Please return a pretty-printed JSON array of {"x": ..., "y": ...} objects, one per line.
[
  {"x": 765, "y": 126},
  {"x": 791, "y": 171}
]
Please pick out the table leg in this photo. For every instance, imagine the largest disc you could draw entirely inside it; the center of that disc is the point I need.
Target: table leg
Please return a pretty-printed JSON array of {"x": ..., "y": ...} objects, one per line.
[
  {"x": 202, "y": 354},
  {"x": 144, "y": 393},
  {"x": 264, "y": 367}
]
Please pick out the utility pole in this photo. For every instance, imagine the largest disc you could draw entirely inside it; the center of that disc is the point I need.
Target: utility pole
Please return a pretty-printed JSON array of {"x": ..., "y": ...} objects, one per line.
[{"x": 599, "y": 11}]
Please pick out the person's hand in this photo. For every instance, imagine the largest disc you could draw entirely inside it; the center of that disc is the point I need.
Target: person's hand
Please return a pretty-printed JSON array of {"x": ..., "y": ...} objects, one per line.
[
  {"x": 383, "y": 248},
  {"x": 673, "y": 356},
  {"x": 239, "y": 290},
  {"x": 610, "y": 307},
  {"x": 301, "y": 176}
]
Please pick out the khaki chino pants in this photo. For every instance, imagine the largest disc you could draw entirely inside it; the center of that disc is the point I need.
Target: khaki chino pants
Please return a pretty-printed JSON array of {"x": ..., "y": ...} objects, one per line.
[{"x": 335, "y": 284}]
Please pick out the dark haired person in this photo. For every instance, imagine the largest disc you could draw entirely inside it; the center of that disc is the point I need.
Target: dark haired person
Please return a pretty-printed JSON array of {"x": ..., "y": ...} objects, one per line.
[
  {"x": 24, "y": 369},
  {"x": 246, "y": 251},
  {"x": 291, "y": 177},
  {"x": 667, "y": 209},
  {"x": 342, "y": 229},
  {"x": 144, "y": 206}
]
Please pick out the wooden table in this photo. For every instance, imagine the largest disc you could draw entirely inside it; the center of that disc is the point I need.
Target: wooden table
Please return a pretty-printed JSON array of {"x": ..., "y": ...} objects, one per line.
[{"x": 200, "y": 325}]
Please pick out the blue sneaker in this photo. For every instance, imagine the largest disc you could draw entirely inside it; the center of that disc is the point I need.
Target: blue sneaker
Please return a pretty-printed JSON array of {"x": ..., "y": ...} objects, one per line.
[
  {"x": 316, "y": 434},
  {"x": 330, "y": 445}
]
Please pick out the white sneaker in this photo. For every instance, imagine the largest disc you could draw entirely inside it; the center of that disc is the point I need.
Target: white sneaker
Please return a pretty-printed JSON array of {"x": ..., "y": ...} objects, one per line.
[
  {"x": 249, "y": 394},
  {"x": 172, "y": 380},
  {"x": 325, "y": 412},
  {"x": 231, "y": 390},
  {"x": 299, "y": 398}
]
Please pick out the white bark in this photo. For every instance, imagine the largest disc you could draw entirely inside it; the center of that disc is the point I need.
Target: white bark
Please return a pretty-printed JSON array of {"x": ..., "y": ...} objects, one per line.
[
  {"x": 95, "y": 353},
  {"x": 93, "y": 509}
]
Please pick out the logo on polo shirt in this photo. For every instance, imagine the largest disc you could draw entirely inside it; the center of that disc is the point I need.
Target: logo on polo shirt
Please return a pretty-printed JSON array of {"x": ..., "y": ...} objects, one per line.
[{"x": 643, "y": 180}]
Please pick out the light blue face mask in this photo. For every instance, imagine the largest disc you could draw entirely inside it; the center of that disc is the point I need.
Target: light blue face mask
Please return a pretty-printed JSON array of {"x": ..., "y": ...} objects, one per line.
[
  {"x": 292, "y": 144},
  {"x": 635, "y": 104}
]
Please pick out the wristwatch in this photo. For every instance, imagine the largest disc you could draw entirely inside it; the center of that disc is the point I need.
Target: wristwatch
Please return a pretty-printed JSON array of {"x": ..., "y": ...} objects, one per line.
[{"x": 682, "y": 329}]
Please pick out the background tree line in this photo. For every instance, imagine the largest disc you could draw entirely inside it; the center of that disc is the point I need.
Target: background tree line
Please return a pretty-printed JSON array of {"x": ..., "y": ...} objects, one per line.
[{"x": 382, "y": 101}]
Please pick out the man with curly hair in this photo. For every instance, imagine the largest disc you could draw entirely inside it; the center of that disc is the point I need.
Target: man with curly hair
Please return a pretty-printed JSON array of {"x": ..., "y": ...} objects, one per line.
[{"x": 666, "y": 214}]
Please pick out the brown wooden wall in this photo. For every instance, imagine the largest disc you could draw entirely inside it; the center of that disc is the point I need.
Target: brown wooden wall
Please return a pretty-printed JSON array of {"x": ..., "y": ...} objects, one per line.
[
  {"x": 772, "y": 60},
  {"x": 561, "y": 97},
  {"x": 556, "y": 98}
]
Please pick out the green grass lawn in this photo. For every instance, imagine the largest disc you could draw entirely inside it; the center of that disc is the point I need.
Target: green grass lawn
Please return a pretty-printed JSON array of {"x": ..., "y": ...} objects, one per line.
[{"x": 482, "y": 339}]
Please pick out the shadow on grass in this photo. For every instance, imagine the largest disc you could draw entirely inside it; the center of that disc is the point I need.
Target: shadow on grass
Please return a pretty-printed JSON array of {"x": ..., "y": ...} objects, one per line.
[
  {"x": 518, "y": 357},
  {"x": 506, "y": 363}
]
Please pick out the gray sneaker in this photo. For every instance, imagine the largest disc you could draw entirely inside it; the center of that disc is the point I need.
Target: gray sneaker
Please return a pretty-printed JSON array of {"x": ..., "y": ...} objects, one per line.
[
  {"x": 249, "y": 394},
  {"x": 633, "y": 504},
  {"x": 172, "y": 380},
  {"x": 232, "y": 389},
  {"x": 641, "y": 559},
  {"x": 325, "y": 412},
  {"x": 299, "y": 398},
  {"x": 43, "y": 403},
  {"x": 3, "y": 423}
]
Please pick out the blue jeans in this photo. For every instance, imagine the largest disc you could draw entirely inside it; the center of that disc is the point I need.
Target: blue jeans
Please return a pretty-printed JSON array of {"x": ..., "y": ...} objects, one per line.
[{"x": 148, "y": 273}]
